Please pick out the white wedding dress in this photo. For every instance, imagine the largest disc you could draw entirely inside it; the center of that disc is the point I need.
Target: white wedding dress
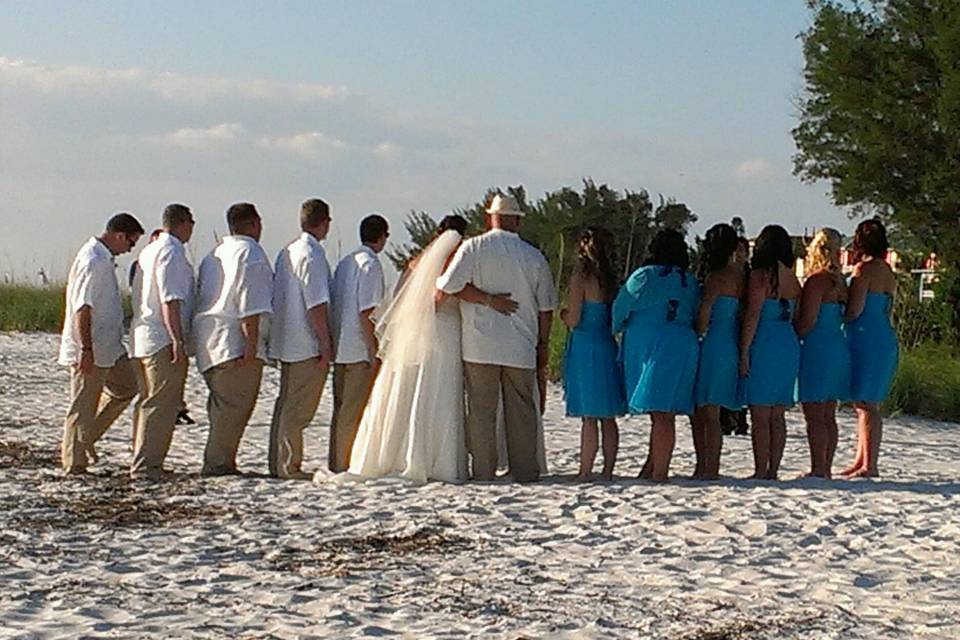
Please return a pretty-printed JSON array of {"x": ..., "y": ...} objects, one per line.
[{"x": 412, "y": 426}]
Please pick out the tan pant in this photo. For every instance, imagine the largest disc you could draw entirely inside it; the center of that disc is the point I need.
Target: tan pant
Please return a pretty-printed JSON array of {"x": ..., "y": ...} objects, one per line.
[
  {"x": 301, "y": 385},
  {"x": 161, "y": 396},
  {"x": 484, "y": 383},
  {"x": 233, "y": 395},
  {"x": 351, "y": 390},
  {"x": 97, "y": 400}
]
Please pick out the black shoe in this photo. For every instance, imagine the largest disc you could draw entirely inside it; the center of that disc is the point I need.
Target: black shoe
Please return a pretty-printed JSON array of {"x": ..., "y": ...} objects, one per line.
[{"x": 184, "y": 418}]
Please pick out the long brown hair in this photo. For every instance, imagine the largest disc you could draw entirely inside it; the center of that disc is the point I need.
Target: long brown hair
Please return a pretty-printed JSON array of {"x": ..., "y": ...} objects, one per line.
[{"x": 595, "y": 258}]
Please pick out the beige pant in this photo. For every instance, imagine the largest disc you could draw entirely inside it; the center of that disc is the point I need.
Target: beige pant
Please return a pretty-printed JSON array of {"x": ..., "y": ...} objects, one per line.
[
  {"x": 301, "y": 385},
  {"x": 233, "y": 395},
  {"x": 161, "y": 396},
  {"x": 351, "y": 390},
  {"x": 484, "y": 383},
  {"x": 97, "y": 400}
]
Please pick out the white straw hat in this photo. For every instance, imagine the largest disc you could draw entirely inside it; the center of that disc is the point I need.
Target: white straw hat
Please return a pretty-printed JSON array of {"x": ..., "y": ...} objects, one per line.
[{"x": 504, "y": 205}]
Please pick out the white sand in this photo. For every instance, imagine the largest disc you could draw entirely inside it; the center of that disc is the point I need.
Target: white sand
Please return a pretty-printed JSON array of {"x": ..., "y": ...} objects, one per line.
[{"x": 799, "y": 559}]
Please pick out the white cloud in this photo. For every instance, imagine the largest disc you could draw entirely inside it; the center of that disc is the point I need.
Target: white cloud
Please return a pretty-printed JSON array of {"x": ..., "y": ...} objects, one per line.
[
  {"x": 753, "y": 169},
  {"x": 191, "y": 138},
  {"x": 310, "y": 143},
  {"x": 169, "y": 86},
  {"x": 386, "y": 150}
]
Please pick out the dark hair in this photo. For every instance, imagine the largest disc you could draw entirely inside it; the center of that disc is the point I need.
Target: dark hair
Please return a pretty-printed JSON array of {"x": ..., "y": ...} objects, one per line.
[
  {"x": 124, "y": 223},
  {"x": 174, "y": 214},
  {"x": 595, "y": 258},
  {"x": 773, "y": 248},
  {"x": 669, "y": 249},
  {"x": 313, "y": 212},
  {"x": 743, "y": 242},
  {"x": 155, "y": 234},
  {"x": 372, "y": 228},
  {"x": 870, "y": 239},
  {"x": 719, "y": 244},
  {"x": 240, "y": 216},
  {"x": 453, "y": 222}
]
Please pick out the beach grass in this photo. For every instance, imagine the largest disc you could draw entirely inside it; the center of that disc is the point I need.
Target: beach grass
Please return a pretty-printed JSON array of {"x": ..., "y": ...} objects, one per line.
[
  {"x": 29, "y": 308},
  {"x": 927, "y": 383}
]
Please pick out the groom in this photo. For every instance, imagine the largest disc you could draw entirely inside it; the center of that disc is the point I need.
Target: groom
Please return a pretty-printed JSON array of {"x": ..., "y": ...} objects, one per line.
[{"x": 502, "y": 353}]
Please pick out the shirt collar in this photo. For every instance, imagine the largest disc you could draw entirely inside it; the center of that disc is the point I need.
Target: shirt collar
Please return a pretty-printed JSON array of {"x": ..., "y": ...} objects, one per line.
[
  {"x": 502, "y": 231},
  {"x": 368, "y": 251},
  {"x": 310, "y": 240},
  {"x": 101, "y": 249}
]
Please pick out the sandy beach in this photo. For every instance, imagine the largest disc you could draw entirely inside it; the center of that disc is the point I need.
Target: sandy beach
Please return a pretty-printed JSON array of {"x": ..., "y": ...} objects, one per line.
[{"x": 254, "y": 557}]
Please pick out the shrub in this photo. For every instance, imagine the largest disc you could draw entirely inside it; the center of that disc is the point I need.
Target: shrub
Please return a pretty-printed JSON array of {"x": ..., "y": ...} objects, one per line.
[
  {"x": 28, "y": 308},
  {"x": 927, "y": 382}
]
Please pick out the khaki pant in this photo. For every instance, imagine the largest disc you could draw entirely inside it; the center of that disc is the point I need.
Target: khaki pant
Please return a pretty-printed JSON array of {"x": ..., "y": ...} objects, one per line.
[
  {"x": 351, "y": 390},
  {"x": 233, "y": 395},
  {"x": 97, "y": 400},
  {"x": 484, "y": 383},
  {"x": 161, "y": 396},
  {"x": 301, "y": 385}
]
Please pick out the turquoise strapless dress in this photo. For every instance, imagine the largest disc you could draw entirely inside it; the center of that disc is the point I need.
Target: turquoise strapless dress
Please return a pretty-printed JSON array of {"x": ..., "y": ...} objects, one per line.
[
  {"x": 825, "y": 358},
  {"x": 774, "y": 357},
  {"x": 659, "y": 351},
  {"x": 874, "y": 352},
  {"x": 592, "y": 383},
  {"x": 718, "y": 376}
]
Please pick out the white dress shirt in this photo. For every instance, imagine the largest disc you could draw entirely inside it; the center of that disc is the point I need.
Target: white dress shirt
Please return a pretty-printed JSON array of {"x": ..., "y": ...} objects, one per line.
[
  {"x": 164, "y": 275},
  {"x": 235, "y": 282},
  {"x": 357, "y": 286},
  {"x": 501, "y": 262},
  {"x": 93, "y": 282},
  {"x": 301, "y": 282}
]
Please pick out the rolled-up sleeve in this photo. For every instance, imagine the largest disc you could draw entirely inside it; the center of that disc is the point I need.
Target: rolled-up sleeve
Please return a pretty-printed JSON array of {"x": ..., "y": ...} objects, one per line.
[
  {"x": 369, "y": 286},
  {"x": 459, "y": 272},
  {"x": 546, "y": 293},
  {"x": 315, "y": 282},
  {"x": 174, "y": 279},
  {"x": 254, "y": 289}
]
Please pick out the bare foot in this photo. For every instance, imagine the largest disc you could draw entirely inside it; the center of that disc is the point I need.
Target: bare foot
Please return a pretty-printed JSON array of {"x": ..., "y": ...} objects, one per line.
[
  {"x": 582, "y": 477},
  {"x": 606, "y": 477},
  {"x": 660, "y": 479},
  {"x": 865, "y": 473},
  {"x": 854, "y": 468},
  {"x": 697, "y": 476},
  {"x": 710, "y": 476}
]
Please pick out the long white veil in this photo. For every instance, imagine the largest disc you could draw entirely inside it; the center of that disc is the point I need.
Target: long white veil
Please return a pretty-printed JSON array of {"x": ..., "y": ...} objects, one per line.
[{"x": 406, "y": 329}]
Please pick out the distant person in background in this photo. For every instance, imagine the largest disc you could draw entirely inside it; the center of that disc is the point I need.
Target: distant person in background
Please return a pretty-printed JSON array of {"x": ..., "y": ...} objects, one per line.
[
  {"x": 135, "y": 264},
  {"x": 102, "y": 379},
  {"x": 825, "y": 351},
  {"x": 300, "y": 338},
  {"x": 874, "y": 351},
  {"x": 233, "y": 296},
  {"x": 592, "y": 381},
  {"x": 735, "y": 422},
  {"x": 718, "y": 325},
  {"x": 358, "y": 289},
  {"x": 769, "y": 348},
  {"x": 162, "y": 291},
  {"x": 655, "y": 312}
]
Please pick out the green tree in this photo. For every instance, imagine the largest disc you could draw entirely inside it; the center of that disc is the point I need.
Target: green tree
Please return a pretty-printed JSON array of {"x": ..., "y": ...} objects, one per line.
[{"x": 880, "y": 117}]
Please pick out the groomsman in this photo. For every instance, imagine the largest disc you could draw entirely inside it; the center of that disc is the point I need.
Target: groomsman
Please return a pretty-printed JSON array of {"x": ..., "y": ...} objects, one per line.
[
  {"x": 102, "y": 380},
  {"x": 300, "y": 338},
  {"x": 233, "y": 294},
  {"x": 357, "y": 291},
  {"x": 163, "y": 289}
]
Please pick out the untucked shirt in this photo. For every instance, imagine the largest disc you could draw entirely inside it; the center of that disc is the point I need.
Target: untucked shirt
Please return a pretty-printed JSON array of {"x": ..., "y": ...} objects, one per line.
[
  {"x": 301, "y": 282},
  {"x": 235, "y": 282},
  {"x": 357, "y": 286},
  {"x": 163, "y": 275},
  {"x": 499, "y": 262},
  {"x": 92, "y": 282}
]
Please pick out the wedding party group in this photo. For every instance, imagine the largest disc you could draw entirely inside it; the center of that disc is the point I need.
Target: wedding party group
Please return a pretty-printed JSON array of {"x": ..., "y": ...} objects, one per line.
[{"x": 446, "y": 380}]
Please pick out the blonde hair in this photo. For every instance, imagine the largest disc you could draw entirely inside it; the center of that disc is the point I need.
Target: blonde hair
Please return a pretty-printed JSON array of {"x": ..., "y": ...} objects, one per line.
[{"x": 823, "y": 252}]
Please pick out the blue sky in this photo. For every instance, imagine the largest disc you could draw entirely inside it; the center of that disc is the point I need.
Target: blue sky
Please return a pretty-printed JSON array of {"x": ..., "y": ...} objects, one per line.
[{"x": 390, "y": 106}]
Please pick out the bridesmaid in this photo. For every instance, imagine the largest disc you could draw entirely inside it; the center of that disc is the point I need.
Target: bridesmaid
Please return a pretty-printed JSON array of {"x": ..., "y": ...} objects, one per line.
[
  {"x": 873, "y": 343},
  {"x": 718, "y": 326},
  {"x": 769, "y": 349},
  {"x": 825, "y": 354},
  {"x": 591, "y": 376},
  {"x": 654, "y": 311}
]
